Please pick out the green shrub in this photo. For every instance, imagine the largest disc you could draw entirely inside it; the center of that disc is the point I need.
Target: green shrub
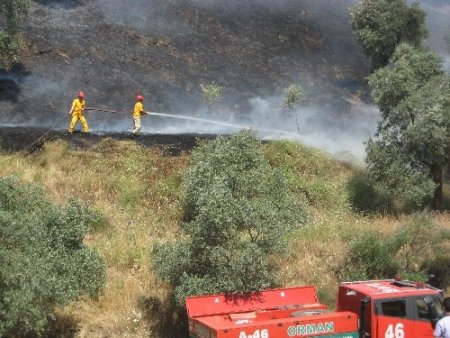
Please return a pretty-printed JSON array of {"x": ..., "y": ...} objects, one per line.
[
  {"x": 374, "y": 255},
  {"x": 43, "y": 261},
  {"x": 238, "y": 211},
  {"x": 438, "y": 270},
  {"x": 365, "y": 198},
  {"x": 371, "y": 256}
]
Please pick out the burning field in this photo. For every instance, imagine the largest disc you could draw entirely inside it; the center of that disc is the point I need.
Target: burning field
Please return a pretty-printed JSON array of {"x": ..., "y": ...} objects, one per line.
[{"x": 165, "y": 50}]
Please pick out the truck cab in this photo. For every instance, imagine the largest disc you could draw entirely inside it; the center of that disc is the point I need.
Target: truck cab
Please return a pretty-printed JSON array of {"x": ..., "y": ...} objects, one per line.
[{"x": 392, "y": 308}]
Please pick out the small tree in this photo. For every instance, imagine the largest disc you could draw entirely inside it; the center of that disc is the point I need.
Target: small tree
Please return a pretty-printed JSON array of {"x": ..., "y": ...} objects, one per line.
[
  {"x": 412, "y": 146},
  {"x": 238, "y": 212},
  {"x": 212, "y": 93},
  {"x": 380, "y": 25},
  {"x": 10, "y": 39},
  {"x": 294, "y": 95},
  {"x": 43, "y": 261}
]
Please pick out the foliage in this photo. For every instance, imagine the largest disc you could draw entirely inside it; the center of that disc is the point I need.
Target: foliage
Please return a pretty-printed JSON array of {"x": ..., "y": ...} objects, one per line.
[
  {"x": 12, "y": 10},
  {"x": 9, "y": 49},
  {"x": 43, "y": 261},
  {"x": 238, "y": 212},
  {"x": 212, "y": 93},
  {"x": 381, "y": 25},
  {"x": 412, "y": 146},
  {"x": 294, "y": 95},
  {"x": 438, "y": 268},
  {"x": 370, "y": 257},
  {"x": 10, "y": 40},
  {"x": 373, "y": 255},
  {"x": 365, "y": 198}
]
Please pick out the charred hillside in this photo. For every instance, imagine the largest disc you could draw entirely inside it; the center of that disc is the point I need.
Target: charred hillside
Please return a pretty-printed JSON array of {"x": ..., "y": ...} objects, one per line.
[{"x": 112, "y": 49}]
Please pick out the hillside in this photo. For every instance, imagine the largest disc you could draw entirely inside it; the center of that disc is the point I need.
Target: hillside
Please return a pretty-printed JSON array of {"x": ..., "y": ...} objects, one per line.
[
  {"x": 166, "y": 49},
  {"x": 136, "y": 189},
  {"x": 255, "y": 49}
]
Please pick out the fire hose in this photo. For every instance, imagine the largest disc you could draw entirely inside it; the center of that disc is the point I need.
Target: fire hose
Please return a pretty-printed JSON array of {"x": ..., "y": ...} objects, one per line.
[{"x": 40, "y": 139}]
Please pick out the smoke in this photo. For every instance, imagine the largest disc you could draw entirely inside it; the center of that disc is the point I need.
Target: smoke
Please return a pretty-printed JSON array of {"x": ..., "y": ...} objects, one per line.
[
  {"x": 438, "y": 25},
  {"x": 314, "y": 125},
  {"x": 166, "y": 48}
]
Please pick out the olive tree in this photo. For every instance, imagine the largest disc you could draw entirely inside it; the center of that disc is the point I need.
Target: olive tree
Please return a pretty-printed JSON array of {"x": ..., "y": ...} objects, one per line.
[
  {"x": 43, "y": 261},
  {"x": 381, "y": 25},
  {"x": 411, "y": 149},
  {"x": 238, "y": 213},
  {"x": 11, "y": 10}
]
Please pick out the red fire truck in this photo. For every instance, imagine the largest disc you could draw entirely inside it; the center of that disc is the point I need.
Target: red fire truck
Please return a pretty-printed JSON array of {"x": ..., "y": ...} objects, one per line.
[{"x": 379, "y": 309}]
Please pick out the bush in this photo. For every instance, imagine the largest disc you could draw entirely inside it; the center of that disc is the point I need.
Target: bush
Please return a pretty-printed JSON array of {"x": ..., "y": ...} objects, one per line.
[
  {"x": 366, "y": 199},
  {"x": 43, "y": 261},
  {"x": 11, "y": 11},
  {"x": 238, "y": 211},
  {"x": 373, "y": 255},
  {"x": 438, "y": 268}
]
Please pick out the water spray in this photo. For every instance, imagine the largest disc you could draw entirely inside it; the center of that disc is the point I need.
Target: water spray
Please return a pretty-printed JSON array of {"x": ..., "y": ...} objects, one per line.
[{"x": 199, "y": 119}]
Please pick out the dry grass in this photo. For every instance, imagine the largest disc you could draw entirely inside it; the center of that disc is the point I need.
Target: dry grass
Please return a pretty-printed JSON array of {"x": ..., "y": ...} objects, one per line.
[{"x": 136, "y": 190}]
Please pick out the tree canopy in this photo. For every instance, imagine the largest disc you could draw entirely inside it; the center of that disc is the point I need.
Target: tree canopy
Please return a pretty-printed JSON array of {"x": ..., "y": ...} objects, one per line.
[
  {"x": 238, "y": 212},
  {"x": 43, "y": 261},
  {"x": 412, "y": 146},
  {"x": 381, "y": 25}
]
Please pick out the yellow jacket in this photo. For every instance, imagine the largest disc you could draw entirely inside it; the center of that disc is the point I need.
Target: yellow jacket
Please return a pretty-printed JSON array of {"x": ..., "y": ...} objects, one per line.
[
  {"x": 78, "y": 106},
  {"x": 138, "y": 110}
]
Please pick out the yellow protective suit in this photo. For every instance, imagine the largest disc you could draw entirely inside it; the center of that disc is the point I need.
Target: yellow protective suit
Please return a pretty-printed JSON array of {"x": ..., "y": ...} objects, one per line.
[
  {"x": 77, "y": 114},
  {"x": 138, "y": 111}
]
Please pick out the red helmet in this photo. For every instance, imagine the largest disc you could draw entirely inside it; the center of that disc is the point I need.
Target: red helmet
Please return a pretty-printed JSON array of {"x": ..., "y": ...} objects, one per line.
[
  {"x": 80, "y": 95},
  {"x": 139, "y": 97}
]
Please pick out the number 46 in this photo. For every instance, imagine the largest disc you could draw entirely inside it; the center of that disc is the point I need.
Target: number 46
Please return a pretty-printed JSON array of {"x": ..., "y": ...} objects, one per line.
[{"x": 396, "y": 332}]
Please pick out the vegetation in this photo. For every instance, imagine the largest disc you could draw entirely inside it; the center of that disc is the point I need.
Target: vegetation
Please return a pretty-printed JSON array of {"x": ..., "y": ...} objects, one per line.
[
  {"x": 411, "y": 149},
  {"x": 412, "y": 245},
  {"x": 212, "y": 93},
  {"x": 44, "y": 262},
  {"x": 137, "y": 195},
  {"x": 294, "y": 95},
  {"x": 381, "y": 25},
  {"x": 10, "y": 40},
  {"x": 238, "y": 212}
]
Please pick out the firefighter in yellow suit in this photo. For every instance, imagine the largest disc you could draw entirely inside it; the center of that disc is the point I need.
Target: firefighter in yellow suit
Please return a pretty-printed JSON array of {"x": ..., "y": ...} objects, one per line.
[
  {"x": 76, "y": 111},
  {"x": 138, "y": 111}
]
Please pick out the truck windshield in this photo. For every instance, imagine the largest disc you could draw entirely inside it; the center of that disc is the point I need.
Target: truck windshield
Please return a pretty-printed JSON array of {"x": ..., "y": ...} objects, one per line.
[{"x": 423, "y": 311}]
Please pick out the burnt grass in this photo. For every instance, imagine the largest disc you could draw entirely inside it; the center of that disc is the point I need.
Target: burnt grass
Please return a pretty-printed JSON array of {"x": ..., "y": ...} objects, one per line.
[
  {"x": 31, "y": 140},
  {"x": 165, "y": 49}
]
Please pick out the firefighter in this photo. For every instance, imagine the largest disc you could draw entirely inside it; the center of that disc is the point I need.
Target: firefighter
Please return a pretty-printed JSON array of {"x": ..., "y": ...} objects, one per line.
[
  {"x": 138, "y": 111},
  {"x": 76, "y": 111},
  {"x": 442, "y": 329}
]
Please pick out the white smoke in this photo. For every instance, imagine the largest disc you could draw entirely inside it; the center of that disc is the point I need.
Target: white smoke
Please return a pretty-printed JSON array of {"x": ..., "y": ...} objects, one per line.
[{"x": 438, "y": 25}]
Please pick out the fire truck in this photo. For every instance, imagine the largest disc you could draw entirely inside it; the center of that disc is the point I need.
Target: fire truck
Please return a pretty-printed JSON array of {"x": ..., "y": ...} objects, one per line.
[{"x": 391, "y": 308}]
